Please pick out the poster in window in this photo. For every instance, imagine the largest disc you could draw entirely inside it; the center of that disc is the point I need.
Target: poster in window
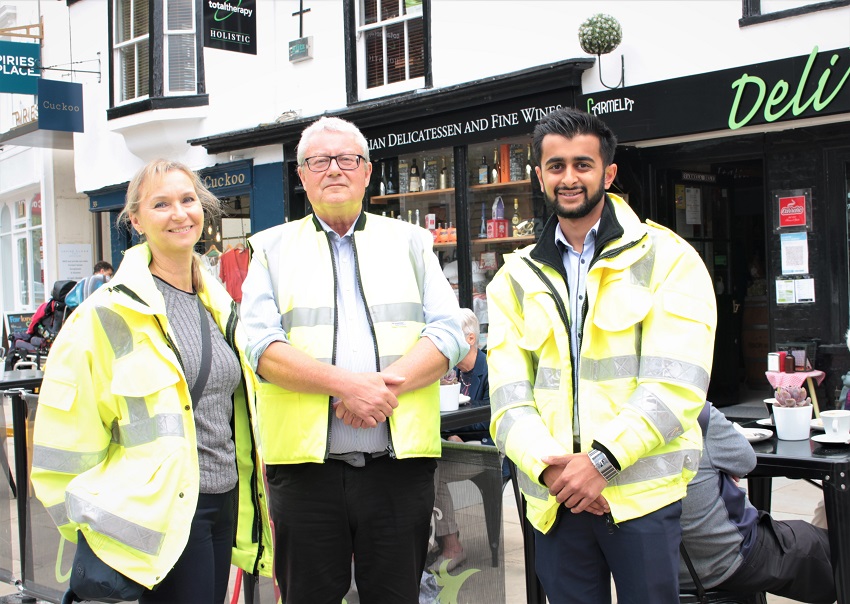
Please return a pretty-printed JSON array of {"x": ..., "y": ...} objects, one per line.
[{"x": 791, "y": 210}]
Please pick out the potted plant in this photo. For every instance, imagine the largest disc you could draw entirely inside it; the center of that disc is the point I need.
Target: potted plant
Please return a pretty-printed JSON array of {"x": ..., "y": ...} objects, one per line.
[
  {"x": 792, "y": 413},
  {"x": 449, "y": 391}
]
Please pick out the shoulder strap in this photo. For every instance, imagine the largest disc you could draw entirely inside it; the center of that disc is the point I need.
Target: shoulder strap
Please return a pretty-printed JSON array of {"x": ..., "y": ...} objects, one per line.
[
  {"x": 206, "y": 356},
  {"x": 700, "y": 589}
]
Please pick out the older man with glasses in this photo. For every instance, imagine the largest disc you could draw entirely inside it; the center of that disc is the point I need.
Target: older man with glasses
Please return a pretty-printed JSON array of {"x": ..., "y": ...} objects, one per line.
[{"x": 350, "y": 325}]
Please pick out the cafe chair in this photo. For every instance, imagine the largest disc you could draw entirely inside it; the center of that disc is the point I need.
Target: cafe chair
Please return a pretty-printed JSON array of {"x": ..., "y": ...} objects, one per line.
[
  {"x": 488, "y": 481},
  {"x": 714, "y": 596},
  {"x": 26, "y": 365}
]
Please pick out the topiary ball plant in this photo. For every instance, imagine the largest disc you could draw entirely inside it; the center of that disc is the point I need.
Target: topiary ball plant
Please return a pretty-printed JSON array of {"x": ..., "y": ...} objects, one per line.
[{"x": 600, "y": 34}]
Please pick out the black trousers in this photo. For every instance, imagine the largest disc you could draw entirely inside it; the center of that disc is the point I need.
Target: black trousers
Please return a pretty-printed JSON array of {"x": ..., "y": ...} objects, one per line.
[
  {"x": 790, "y": 559},
  {"x": 326, "y": 513},
  {"x": 203, "y": 569}
]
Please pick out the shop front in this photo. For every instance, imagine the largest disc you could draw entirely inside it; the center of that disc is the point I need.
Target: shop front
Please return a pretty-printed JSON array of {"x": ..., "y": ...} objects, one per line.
[
  {"x": 750, "y": 165},
  {"x": 456, "y": 162}
]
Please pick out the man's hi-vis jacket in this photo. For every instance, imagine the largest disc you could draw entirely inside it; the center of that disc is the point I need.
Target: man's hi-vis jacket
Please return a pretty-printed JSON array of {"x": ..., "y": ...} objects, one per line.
[
  {"x": 391, "y": 258},
  {"x": 115, "y": 452},
  {"x": 646, "y": 350}
]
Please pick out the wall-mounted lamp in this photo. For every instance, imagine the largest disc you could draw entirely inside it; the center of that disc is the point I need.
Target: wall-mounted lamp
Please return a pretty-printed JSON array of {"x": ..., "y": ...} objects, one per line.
[{"x": 599, "y": 35}]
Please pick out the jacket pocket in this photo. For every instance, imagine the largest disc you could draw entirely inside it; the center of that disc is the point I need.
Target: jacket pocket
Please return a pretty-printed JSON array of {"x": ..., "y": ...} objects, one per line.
[
  {"x": 620, "y": 306},
  {"x": 690, "y": 307},
  {"x": 57, "y": 394},
  {"x": 142, "y": 372}
]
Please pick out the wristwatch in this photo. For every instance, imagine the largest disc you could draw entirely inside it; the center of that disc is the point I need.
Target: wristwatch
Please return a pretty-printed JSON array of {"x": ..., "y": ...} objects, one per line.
[{"x": 603, "y": 464}]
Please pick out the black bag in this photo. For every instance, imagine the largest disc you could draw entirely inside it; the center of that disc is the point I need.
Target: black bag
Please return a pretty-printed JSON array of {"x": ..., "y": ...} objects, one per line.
[{"x": 93, "y": 579}]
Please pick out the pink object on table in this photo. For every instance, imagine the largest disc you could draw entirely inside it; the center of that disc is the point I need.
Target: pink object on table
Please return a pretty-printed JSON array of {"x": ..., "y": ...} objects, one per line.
[{"x": 780, "y": 378}]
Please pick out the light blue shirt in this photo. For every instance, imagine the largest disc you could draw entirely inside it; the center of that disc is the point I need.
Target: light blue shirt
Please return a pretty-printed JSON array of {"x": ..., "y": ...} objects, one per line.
[{"x": 261, "y": 318}]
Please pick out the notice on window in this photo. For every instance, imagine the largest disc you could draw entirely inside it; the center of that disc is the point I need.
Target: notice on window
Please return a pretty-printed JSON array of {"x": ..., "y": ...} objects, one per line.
[
  {"x": 785, "y": 291},
  {"x": 804, "y": 290},
  {"x": 74, "y": 261},
  {"x": 693, "y": 205},
  {"x": 795, "y": 253}
]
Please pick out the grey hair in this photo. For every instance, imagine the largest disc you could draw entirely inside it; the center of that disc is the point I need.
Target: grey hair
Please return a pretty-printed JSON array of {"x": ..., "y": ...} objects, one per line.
[
  {"x": 330, "y": 124},
  {"x": 469, "y": 323}
]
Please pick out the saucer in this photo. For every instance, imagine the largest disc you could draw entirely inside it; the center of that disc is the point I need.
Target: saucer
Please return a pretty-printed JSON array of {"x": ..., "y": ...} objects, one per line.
[
  {"x": 817, "y": 424},
  {"x": 755, "y": 435},
  {"x": 768, "y": 421},
  {"x": 826, "y": 439},
  {"x": 462, "y": 399}
]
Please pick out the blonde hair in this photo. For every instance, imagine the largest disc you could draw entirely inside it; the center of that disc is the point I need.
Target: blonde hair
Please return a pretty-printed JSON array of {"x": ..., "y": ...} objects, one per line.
[{"x": 154, "y": 171}]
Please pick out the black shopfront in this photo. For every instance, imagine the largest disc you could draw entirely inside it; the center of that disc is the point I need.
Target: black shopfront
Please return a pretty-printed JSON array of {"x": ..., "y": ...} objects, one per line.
[{"x": 750, "y": 139}]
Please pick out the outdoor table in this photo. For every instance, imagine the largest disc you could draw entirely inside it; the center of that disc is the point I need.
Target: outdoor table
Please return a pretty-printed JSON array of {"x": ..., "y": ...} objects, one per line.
[
  {"x": 810, "y": 460},
  {"x": 796, "y": 379},
  {"x": 464, "y": 416}
]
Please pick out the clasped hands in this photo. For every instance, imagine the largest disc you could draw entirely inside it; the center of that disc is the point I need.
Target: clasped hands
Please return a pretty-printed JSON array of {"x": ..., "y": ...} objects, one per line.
[
  {"x": 576, "y": 483},
  {"x": 369, "y": 399}
]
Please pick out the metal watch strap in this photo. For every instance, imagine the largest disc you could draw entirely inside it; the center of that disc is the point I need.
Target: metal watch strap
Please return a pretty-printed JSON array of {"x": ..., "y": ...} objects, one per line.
[{"x": 603, "y": 464}]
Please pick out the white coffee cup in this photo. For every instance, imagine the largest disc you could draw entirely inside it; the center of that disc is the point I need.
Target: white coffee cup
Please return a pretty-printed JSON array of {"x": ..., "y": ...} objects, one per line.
[{"x": 836, "y": 423}]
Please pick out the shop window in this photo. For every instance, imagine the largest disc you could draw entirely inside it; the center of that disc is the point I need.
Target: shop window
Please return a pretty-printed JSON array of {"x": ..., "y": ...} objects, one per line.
[
  {"x": 155, "y": 55},
  {"x": 22, "y": 254},
  {"x": 391, "y": 47}
]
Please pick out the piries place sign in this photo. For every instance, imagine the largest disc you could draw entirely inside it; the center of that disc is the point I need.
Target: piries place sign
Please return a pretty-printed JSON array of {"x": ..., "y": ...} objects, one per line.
[
  {"x": 19, "y": 67},
  {"x": 799, "y": 87}
]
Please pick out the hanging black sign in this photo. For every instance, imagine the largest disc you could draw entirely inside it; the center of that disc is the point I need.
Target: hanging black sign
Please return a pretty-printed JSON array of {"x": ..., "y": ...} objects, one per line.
[
  {"x": 231, "y": 25},
  {"x": 799, "y": 87}
]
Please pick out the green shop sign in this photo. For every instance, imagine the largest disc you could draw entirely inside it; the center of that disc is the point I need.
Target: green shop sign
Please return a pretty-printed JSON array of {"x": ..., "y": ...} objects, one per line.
[{"x": 794, "y": 88}]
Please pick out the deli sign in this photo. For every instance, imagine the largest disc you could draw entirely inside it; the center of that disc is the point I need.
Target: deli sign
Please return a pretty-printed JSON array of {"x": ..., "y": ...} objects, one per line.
[{"x": 792, "y": 211}]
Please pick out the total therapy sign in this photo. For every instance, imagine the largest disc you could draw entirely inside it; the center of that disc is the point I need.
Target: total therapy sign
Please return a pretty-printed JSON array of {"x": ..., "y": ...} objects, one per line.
[
  {"x": 19, "y": 67},
  {"x": 231, "y": 25},
  {"x": 799, "y": 87}
]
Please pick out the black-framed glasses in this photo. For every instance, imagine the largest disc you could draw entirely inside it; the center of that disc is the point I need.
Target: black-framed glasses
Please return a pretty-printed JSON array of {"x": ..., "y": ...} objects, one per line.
[{"x": 320, "y": 163}]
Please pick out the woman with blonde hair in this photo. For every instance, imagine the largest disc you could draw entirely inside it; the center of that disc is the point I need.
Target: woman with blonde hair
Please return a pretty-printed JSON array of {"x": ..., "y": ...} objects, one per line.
[{"x": 144, "y": 445}]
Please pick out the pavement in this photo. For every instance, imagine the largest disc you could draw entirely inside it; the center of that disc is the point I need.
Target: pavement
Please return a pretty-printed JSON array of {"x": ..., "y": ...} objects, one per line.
[{"x": 792, "y": 499}]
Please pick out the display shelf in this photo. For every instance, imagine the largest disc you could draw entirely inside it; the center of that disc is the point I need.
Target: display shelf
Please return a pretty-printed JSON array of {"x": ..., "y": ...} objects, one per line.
[
  {"x": 501, "y": 185},
  {"x": 383, "y": 199},
  {"x": 478, "y": 242}
]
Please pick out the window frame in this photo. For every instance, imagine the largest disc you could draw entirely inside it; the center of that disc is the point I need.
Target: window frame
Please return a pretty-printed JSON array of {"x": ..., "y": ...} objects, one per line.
[
  {"x": 751, "y": 11},
  {"x": 355, "y": 74},
  {"x": 158, "y": 97}
]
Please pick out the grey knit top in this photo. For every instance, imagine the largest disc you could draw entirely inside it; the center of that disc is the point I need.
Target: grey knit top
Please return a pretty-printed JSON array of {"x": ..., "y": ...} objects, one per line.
[{"x": 213, "y": 413}]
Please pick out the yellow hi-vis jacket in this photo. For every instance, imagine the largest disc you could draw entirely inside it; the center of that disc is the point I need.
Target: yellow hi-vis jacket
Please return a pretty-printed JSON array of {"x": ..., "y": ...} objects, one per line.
[
  {"x": 115, "y": 453},
  {"x": 391, "y": 260},
  {"x": 646, "y": 348}
]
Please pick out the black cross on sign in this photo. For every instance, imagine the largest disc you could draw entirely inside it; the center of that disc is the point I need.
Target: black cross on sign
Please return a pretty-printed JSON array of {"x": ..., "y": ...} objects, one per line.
[{"x": 300, "y": 12}]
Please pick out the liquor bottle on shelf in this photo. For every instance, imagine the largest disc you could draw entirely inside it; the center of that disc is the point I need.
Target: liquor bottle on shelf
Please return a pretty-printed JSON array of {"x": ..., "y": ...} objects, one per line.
[
  {"x": 482, "y": 232},
  {"x": 384, "y": 213},
  {"x": 444, "y": 176},
  {"x": 392, "y": 214},
  {"x": 515, "y": 220},
  {"x": 483, "y": 171},
  {"x": 410, "y": 216},
  {"x": 498, "y": 208},
  {"x": 382, "y": 186},
  {"x": 528, "y": 167},
  {"x": 391, "y": 190},
  {"x": 415, "y": 182},
  {"x": 451, "y": 234},
  {"x": 417, "y": 217},
  {"x": 494, "y": 169}
]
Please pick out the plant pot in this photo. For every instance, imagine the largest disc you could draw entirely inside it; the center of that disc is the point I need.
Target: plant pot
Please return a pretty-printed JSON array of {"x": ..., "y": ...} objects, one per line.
[
  {"x": 449, "y": 397},
  {"x": 792, "y": 423}
]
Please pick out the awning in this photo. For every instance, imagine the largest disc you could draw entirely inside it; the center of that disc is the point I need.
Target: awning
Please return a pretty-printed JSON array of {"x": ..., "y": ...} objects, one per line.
[{"x": 30, "y": 135}]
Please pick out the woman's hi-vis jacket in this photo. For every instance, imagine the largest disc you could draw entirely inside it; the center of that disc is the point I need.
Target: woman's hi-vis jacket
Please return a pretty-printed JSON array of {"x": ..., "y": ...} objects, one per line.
[
  {"x": 391, "y": 259},
  {"x": 646, "y": 350},
  {"x": 115, "y": 452}
]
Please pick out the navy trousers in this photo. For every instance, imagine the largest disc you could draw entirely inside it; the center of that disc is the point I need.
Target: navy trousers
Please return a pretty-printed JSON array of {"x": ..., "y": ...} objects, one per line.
[{"x": 578, "y": 556}]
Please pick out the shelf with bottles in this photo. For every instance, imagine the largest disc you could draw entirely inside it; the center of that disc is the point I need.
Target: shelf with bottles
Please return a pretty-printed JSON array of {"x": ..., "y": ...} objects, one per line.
[{"x": 435, "y": 194}]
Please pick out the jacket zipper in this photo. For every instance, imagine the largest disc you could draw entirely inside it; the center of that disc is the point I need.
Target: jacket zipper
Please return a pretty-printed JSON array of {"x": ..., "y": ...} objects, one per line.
[{"x": 333, "y": 352}]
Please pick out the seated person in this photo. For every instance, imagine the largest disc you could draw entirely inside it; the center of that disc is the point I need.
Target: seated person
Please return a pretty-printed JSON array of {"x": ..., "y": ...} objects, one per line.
[
  {"x": 735, "y": 547},
  {"x": 472, "y": 372}
]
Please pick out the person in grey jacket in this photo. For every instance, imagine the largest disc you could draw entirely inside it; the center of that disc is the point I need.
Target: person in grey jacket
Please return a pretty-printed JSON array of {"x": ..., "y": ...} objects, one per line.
[{"x": 735, "y": 547}]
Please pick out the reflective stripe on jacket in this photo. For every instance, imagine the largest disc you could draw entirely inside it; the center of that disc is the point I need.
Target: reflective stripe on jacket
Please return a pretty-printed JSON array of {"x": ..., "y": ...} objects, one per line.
[
  {"x": 294, "y": 426},
  {"x": 646, "y": 352},
  {"x": 115, "y": 453}
]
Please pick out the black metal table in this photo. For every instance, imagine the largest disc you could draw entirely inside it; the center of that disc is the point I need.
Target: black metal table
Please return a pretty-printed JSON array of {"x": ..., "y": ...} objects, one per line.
[
  {"x": 464, "y": 416},
  {"x": 807, "y": 459}
]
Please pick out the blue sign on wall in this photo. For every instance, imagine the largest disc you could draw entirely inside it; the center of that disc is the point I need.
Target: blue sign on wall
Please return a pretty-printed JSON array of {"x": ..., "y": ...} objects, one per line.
[
  {"x": 19, "y": 67},
  {"x": 60, "y": 106}
]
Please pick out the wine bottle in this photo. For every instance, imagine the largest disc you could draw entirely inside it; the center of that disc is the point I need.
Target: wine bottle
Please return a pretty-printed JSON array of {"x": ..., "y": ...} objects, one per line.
[
  {"x": 444, "y": 176},
  {"x": 528, "y": 167},
  {"x": 417, "y": 217},
  {"x": 494, "y": 170},
  {"x": 382, "y": 187},
  {"x": 515, "y": 219},
  {"x": 410, "y": 216},
  {"x": 415, "y": 182},
  {"x": 482, "y": 232},
  {"x": 390, "y": 180},
  {"x": 483, "y": 171}
]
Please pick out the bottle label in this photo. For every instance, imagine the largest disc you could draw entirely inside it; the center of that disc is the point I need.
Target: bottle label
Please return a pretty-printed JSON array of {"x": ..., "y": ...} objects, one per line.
[{"x": 482, "y": 175}]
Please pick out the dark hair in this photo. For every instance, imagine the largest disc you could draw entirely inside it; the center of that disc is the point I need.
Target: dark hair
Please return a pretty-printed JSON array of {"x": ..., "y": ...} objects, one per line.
[
  {"x": 570, "y": 122},
  {"x": 103, "y": 265}
]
